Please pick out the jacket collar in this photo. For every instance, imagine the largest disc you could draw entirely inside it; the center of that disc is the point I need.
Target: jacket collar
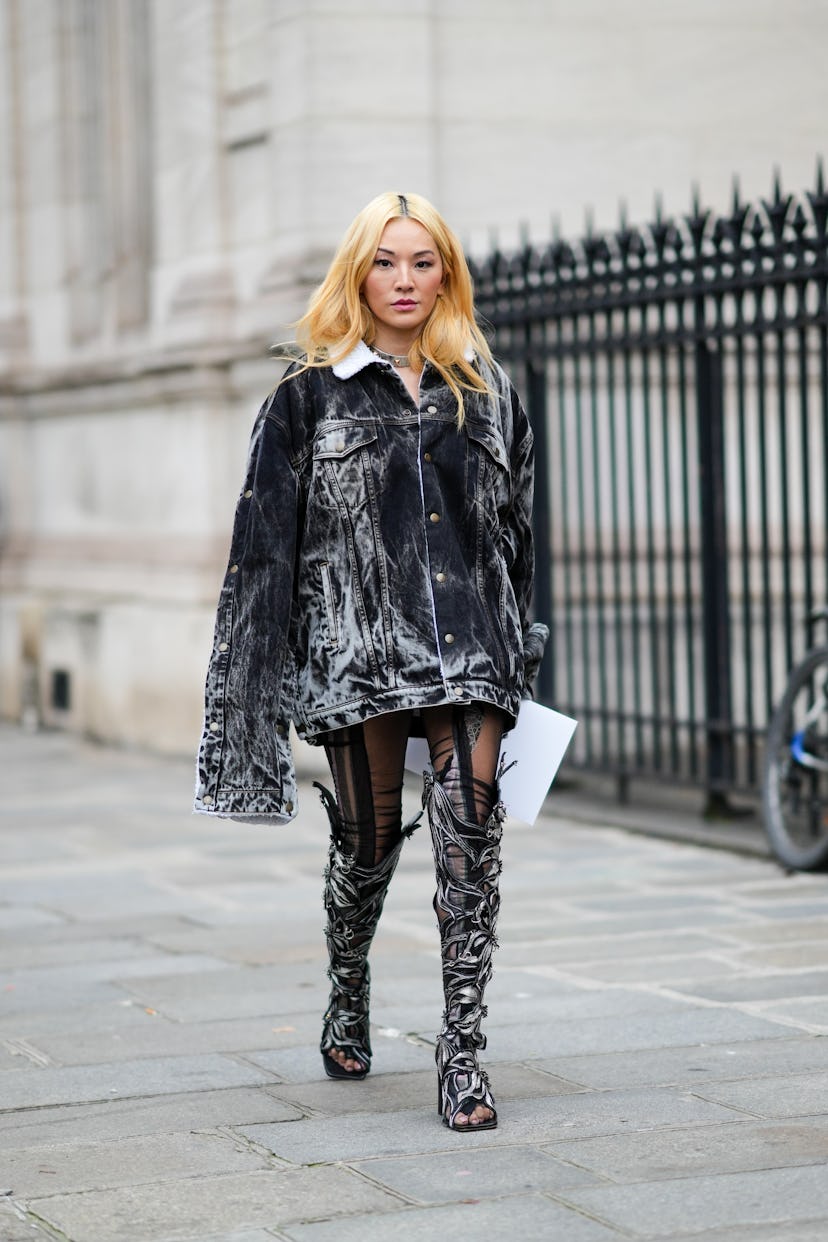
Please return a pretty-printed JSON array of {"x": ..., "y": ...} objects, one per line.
[{"x": 362, "y": 356}]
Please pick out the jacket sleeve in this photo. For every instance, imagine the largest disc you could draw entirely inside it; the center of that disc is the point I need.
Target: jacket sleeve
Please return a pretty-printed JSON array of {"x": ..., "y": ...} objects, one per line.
[
  {"x": 245, "y": 766},
  {"x": 518, "y": 544}
]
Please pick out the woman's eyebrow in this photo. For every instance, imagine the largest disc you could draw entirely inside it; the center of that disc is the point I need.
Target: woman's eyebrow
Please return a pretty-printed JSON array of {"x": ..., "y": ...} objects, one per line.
[{"x": 417, "y": 253}]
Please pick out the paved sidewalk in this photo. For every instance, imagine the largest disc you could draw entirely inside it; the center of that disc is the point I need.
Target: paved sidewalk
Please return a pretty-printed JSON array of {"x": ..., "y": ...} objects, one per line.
[{"x": 656, "y": 1039}]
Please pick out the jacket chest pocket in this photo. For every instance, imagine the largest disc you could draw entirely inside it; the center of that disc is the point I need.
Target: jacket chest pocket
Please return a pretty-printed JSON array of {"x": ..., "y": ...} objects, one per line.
[
  {"x": 342, "y": 464},
  {"x": 489, "y": 479}
]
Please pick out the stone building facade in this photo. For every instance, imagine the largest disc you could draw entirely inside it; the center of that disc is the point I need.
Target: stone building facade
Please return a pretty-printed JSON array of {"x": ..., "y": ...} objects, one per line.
[{"x": 173, "y": 176}]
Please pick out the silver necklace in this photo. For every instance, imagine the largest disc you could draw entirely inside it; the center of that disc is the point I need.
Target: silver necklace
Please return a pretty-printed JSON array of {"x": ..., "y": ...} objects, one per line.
[{"x": 396, "y": 360}]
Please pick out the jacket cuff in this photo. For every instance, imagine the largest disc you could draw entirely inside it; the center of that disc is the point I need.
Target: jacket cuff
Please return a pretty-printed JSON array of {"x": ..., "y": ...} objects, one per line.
[{"x": 534, "y": 643}]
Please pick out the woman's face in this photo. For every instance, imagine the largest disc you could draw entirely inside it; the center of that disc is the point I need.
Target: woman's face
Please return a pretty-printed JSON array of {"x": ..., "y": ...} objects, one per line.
[{"x": 403, "y": 284}]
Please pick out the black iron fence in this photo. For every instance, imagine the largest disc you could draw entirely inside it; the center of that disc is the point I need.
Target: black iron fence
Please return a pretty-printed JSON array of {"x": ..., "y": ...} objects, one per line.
[{"x": 676, "y": 376}]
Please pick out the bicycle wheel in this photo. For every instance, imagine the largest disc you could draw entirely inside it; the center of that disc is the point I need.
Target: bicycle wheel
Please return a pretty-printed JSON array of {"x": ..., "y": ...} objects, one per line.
[{"x": 795, "y": 792}]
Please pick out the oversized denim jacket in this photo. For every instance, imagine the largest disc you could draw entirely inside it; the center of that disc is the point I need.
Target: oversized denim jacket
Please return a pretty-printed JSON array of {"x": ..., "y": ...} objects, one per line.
[{"x": 381, "y": 559}]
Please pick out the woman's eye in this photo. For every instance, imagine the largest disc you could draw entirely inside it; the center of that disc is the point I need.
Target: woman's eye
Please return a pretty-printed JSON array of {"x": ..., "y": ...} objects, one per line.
[
  {"x": 425, "y": 263},
  {"x": 382, "y": 262}
]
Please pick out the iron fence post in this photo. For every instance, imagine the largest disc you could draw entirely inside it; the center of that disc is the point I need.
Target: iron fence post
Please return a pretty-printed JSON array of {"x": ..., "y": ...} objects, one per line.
[
  {"x": 715, "y": 596},
  {"x": 536, "y": 402}
]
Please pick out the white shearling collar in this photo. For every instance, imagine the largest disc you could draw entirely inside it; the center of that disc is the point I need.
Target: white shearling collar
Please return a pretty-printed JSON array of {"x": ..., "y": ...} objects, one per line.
[
  {"x": 362, "y": 355},
  {"x": 359, "y": 357}
]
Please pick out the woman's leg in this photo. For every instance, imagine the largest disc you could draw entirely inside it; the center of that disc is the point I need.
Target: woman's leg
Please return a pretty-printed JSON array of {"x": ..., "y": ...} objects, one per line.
[
  {"x": 366, "y": 762},
  {"x": 465, "y": 827}
]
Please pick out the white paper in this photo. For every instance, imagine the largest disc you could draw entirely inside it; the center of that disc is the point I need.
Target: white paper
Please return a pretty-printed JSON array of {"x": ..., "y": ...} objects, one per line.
[{"x": 538, "y": 743}]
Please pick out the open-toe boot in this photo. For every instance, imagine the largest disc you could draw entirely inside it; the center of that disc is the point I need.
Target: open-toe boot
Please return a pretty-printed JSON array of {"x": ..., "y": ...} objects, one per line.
[
  {"x": 353, "y": 897},
  {"x": 467, "y": 863}
]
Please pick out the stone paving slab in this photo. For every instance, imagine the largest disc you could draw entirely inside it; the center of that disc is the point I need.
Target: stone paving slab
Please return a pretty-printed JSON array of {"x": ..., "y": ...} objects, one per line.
[
  {"x": 15, "y": 1227},
  {"x": 197, "y": 1207},
  {"x": 789, "y": 1095},
  {"x": 690, "y": 1066},
  {"x": 34, "y": 988},
  {"x": 258, "y": 944},
  {"x": 777, "y": 932},
  {"x": 591, "y": 927},
  {"x": 235, "y": 992},
  {"x": 26, "y": 954},
  {"x": 154, "y": 1036},
  {"x": 737, "y": 1147},
  {"x": 760, "y": 987},
  {"x": 794, "y": 957},
  {"x": 789, "y": 1231},
  {"x": 63, "y": 995},
  {"x": 29, "y": 917},
  {"x": 811, "y": 1013},
  {"x": 121, "y": 1079},
  {"x": 692, "y": 1204},
  {"x": 664, "y": 970},
  {"x": 45, "y": 1170},
  {"x": 793, "y": 909},
  {"x": 627, "y": 1033},
  {"x": 103, "y": 895},
  {"x": 603, "y": 948},
  {"x": 405, "y": 1132},
  {"x": 246, "y": 1235},
  {"x": 105, "y": 1017},
  {"x": 451, "y": 1176},
  {"x": 121, "y": 1119},
  {"x": 498, "y": 1220}
]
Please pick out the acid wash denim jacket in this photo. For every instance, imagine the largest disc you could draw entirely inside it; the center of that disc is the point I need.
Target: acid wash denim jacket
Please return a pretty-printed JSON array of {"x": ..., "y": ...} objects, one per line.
[{"x": 381, "y": 559}]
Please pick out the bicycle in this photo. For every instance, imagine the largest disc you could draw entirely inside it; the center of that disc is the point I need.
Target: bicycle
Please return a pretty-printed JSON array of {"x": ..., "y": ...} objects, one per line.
[{"x": 795, "y": 785}]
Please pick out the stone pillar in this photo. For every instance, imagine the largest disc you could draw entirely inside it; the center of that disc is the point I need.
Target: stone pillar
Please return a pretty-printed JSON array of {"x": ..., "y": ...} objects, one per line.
[
  {"x": 13, "y": 323},
  {"x": 194, "y": 286}
]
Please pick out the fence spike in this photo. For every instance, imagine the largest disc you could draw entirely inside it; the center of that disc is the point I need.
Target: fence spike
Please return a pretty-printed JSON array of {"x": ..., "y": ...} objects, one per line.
[
  {"x": 818, "y": 200},
  {"x": 659, "y": 207},
  {"x": 777, "y": 184},
  {"x": 737, "y": 196},
  {"x": 589, "y": 221}
]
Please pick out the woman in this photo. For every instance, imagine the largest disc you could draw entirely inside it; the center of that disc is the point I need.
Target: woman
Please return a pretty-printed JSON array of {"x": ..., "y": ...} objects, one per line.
[{"x": 378, "y": 585}]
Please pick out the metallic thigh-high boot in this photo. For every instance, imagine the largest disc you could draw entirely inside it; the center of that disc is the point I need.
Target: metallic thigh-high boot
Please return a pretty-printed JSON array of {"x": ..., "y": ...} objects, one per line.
[
  {"x": 353, "y": 897},
  {"x": 467, "y": 900}
]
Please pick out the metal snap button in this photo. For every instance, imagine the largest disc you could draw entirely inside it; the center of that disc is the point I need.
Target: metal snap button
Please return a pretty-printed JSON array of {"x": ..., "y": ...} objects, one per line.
[
  {"x": 214, "y": 726},
  {"x": 207, "y": 799},
  {"x": 449, "y": 639},
  {"x": 432, "y": 409},
  {"x": 234, "y": 569},
  {"x": 435, "y": 517},
  {"x": 440, "y": 577},
  {"x": 248, "y": 494},
  {"x": 223, "y": 646}
]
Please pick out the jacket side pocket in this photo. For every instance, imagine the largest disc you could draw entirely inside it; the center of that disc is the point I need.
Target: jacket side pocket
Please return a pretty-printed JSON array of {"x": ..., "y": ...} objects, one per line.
[{"x": 330, "y": 606}]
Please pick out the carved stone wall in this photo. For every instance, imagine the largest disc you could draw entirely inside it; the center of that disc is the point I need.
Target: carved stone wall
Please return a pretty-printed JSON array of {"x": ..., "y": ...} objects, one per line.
[{"x": 173, "y": 177}]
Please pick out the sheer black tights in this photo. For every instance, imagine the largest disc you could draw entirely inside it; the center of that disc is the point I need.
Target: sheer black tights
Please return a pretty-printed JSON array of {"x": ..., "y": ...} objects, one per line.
[{"x": 367, "y": 763}]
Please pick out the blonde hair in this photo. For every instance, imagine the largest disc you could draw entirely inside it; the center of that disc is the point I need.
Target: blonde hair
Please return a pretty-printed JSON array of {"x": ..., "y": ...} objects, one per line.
[{"x": 337, "y": 317}]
